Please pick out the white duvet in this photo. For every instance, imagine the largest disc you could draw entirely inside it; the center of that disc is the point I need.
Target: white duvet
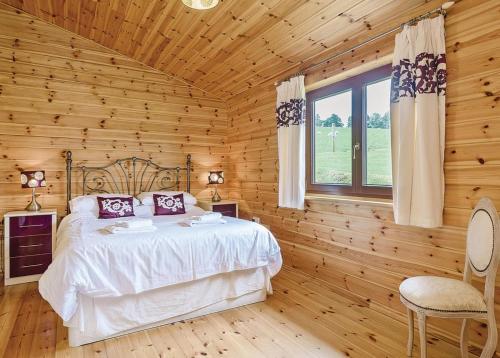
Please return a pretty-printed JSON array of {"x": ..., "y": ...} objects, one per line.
[{"x": 89, "y": 262}]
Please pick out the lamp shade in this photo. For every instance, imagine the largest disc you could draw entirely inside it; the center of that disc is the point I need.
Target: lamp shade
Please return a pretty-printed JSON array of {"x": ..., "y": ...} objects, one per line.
[
  {"x": 216, "y": 177},
  {"x": 33, "y": 179}
]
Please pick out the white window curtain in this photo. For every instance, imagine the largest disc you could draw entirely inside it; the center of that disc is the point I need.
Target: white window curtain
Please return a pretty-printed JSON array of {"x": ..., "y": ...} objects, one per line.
[
  {"x": 418, "y": 123},
  {"x": 290, "y": 117}
]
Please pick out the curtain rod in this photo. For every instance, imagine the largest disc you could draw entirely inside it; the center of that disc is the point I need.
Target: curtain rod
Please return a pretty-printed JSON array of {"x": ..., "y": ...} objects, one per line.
[{"x": 440, "y": 10}]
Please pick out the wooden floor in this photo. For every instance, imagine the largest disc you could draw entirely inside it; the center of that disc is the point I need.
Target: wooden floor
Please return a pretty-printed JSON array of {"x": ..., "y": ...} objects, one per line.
[{"x": 304, "y": 318}]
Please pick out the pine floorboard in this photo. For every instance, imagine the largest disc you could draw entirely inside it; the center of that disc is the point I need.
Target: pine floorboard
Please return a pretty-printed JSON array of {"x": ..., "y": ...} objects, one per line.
[{"x": 303, "y": 318}]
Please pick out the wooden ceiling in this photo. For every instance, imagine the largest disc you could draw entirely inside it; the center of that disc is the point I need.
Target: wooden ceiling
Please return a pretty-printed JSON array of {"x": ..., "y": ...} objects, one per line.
[{"x": 237, "y": 45}]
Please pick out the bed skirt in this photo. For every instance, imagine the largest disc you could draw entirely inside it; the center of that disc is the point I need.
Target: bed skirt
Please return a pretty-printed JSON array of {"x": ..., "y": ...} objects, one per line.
[{"x": 102, "y": 318}]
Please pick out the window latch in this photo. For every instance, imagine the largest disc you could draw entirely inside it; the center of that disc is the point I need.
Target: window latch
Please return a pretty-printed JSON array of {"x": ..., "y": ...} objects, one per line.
[{"x": 355, "y": 148}]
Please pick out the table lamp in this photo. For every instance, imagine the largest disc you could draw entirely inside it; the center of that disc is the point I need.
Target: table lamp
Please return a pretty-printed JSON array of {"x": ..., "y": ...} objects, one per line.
[
  {"x": 216, "y": 177},
  {"x": 33, "y": 179}
]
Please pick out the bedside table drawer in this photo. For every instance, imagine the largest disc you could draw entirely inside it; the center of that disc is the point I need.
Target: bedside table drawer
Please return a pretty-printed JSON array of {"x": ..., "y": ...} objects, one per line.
[
  {"x": 29, "y": 265},
  {"x": 29, "y": 239},
  {"x": 30, "y": 245},
  {"x": 30, "y": 225},
  {"x": 225, "y": 209}
]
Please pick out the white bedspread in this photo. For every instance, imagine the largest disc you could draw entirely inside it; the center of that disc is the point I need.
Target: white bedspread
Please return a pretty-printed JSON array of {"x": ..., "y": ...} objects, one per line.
[{"x": 87, "y": 261}]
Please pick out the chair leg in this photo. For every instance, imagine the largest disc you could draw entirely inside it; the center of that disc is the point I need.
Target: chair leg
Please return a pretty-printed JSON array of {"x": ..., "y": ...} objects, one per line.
[
  {"x": 409, "y": 348},
  {"x": 491, "y": 343},
  {"x": 422, "y": 333},
  {"x": 464, "y": 339}
]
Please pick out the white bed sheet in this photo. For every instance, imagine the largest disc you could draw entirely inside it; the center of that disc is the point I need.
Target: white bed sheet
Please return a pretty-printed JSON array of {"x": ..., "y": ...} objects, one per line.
[
  {"x": 99, "y": 318},
  {"x": 93, "y": 264}
]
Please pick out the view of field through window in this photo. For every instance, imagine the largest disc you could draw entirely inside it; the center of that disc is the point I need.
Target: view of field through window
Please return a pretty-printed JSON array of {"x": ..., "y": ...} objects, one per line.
[
  {"x": 333, "y": 137},
  {"x": 378, "y": 134}
]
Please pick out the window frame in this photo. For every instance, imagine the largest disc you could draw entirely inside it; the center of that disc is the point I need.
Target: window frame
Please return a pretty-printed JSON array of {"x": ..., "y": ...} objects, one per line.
[{"x": 357, "y": 84}]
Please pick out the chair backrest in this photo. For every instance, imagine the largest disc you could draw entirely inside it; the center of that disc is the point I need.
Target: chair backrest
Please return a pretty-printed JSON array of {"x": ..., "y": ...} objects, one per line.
[
  {"x": 483, "y": 238},
  {"x": 483, "y": 247}
]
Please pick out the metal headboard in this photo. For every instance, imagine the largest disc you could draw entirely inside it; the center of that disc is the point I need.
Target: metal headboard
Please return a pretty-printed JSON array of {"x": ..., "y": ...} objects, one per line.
[{"x": 130, "y": 176}]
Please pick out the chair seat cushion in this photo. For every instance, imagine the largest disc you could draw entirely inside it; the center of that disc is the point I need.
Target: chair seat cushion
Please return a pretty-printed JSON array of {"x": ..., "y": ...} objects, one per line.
[{"x": 442, "y": 294}]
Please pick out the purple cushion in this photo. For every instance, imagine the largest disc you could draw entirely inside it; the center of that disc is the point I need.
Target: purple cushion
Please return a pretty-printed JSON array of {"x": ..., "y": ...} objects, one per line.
[
  {"x": 115, "y": 207},
  {"x": 169, "y": 204}
]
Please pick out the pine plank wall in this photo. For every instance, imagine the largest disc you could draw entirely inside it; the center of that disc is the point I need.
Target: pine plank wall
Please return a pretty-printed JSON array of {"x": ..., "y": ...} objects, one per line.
[
  {"x": 59, "y": 91},
  {"x": 355, "y": 245}
]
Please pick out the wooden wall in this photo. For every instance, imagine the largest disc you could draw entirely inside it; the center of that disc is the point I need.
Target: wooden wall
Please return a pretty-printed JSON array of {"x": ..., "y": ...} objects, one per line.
[
  {"x": 59, "y": 91},
  {"x": 354, "y": 245}
]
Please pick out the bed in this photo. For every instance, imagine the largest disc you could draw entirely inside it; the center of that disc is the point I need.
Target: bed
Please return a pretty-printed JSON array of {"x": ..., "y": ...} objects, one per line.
[{"x": 104, "y": 285}]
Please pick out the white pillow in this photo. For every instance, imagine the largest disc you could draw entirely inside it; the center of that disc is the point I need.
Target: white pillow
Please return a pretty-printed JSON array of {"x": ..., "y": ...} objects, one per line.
[
  {"x": 144, "y": 211},
  {"x": 88, "y": 203},
  {"x": 190, "y": 207},
  {"x": 146, "y": 198},
  {"x": 147, "y": 211}
]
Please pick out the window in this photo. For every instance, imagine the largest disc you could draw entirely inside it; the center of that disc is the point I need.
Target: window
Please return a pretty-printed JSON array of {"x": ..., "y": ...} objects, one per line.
[{"x": 349, "y": 136}]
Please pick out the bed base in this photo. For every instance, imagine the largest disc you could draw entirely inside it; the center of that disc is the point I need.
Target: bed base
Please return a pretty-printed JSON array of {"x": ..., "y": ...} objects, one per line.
[{"x": 77, "y": 338}]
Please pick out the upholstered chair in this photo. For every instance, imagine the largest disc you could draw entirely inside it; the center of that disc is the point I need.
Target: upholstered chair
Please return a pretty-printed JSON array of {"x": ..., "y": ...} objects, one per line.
[{"x": 449, "y": 298}]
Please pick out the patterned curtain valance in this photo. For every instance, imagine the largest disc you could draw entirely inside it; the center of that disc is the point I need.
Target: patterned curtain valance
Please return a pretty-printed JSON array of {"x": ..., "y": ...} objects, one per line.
[
  {"x": 427, "y": 74},
  {"x": 291, "y": 112}
]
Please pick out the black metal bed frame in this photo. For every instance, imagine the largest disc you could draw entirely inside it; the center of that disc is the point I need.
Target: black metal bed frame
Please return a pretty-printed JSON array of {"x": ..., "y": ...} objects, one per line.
[{"x": 130, "y": 176}]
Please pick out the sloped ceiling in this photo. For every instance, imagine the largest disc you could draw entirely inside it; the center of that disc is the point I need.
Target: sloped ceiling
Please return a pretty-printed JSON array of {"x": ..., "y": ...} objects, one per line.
[{"x": 237, "y": 45}]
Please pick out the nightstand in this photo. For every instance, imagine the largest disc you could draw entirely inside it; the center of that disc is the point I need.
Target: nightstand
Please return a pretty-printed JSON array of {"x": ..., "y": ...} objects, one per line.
[
  {"x": 225, "y": 207},
  {"x": 29, "y": 243}
]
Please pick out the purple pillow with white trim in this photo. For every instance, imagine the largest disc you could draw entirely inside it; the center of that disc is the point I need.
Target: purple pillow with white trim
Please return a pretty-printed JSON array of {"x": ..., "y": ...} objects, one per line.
[
  {"x": 115, "y": 207},
  {"x": 169, "y": 204}
]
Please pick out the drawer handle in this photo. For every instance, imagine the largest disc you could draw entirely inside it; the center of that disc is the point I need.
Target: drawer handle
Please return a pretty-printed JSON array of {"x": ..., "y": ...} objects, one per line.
[
  {"x": 34, "y": 245},
  {"x": 25, "y": 266},
  {"x": 34, "y": 225}
]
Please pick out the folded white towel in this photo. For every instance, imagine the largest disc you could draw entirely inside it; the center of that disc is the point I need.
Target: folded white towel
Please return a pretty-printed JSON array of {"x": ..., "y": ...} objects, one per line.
[
  {"x": 201, "y": 223},
  {"x": 208, "y": 217},
  {"x": 135, "y": 223},
  {"x": 114, "y": 229}
]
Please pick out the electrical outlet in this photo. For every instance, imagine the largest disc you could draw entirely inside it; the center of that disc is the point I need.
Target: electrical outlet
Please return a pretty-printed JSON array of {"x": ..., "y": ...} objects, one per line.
[{"x": 256, "y": 219}]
